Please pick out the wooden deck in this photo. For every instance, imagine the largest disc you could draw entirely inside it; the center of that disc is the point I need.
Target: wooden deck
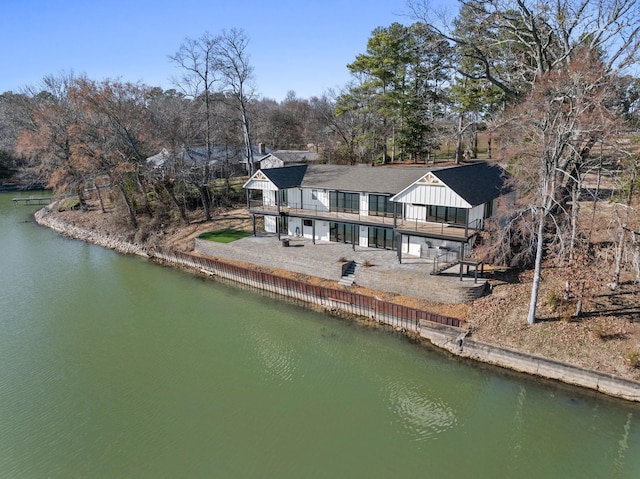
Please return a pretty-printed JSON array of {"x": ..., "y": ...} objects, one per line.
[{"x": 32, "y": 200}]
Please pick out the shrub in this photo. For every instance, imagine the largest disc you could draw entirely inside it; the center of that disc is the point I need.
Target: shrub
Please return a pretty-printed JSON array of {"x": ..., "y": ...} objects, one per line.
[{"x": 633, "y": 358}]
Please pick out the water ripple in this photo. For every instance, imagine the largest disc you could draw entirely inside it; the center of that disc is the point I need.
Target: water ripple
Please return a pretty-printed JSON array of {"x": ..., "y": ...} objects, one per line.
[
  {"x": 277, "y": 359},
  {"x": 420, "y": 414}
]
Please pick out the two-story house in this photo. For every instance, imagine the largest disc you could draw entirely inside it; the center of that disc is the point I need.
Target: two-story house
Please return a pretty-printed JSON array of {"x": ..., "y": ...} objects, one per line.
[{"x": 416, "y": 211}]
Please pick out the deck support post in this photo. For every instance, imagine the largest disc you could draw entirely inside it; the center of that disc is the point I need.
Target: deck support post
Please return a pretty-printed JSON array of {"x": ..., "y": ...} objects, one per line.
[{"x": 353, "y": 237}]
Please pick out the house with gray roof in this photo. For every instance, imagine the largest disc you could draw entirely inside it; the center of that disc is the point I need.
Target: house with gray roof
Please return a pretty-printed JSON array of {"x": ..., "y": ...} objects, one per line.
[
  {"x": 417, "y": 211},
  {"x": 279, "y": 158},
  {"x": 233, "y": 156}
]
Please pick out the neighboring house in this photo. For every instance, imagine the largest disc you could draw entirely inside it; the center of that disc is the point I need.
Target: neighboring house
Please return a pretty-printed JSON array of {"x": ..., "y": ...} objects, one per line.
[
  {"x": 279, "y": 158},
  {"x": 416, "y": 211},
  {"x": 197, "y": 156}
]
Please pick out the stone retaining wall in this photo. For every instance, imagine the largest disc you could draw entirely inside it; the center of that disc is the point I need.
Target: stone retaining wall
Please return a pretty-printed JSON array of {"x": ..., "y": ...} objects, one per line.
[
  {"x": 459, "y": 344},
  {"x": 45, "y": 218}
]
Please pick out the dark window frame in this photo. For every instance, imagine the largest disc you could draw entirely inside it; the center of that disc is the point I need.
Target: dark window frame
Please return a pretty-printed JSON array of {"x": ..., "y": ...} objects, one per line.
[
  {"x": 381, "y": 238},
  {"x": 344, "y": 202},
  {"x": 343, "y": 232},
  {"x": 380, "y": 205},
  {"x": 446, "y": 214}
]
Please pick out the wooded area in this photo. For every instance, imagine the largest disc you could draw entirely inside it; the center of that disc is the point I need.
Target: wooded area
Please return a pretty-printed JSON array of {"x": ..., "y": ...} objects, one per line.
[{"x": 551, "y": 87}]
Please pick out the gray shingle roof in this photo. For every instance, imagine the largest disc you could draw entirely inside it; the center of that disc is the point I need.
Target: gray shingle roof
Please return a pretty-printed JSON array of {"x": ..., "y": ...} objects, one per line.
[
  {"x": 286, "y": 176},
  {"x": 476, "y": 183},
  {"x": 380, "y": 179}
]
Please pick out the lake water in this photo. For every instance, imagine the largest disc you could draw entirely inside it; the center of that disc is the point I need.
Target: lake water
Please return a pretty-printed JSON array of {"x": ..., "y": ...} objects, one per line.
[{"x": 114, "y": 367}]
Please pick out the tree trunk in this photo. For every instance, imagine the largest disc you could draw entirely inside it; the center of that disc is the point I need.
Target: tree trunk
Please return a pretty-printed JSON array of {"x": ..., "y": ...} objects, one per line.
[
  {"x": 176, "y": 203},
  {"x": 100, "y": 198},
  {"x": 127, "y": 201},
  {"x": 145, "y": 197},
  {"x": 204, "y": 198},
  {"x": 618, "y": 263},
  {"x": 458, "y": 159},
  {"x": 535, "y": 287}
]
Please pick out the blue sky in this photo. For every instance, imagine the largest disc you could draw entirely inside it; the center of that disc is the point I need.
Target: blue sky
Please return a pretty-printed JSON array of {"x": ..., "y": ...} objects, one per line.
[{"x": 301, "y": 45}]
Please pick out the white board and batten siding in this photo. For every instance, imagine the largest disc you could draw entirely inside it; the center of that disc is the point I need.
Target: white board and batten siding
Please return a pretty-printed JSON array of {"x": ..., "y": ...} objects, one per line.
[
  {"x": 429, "y": 190},
  {"x": 319, "y": 203},
  {"x": 270, "y": 224},
  {"x": 364, "y": 204},
  {"x": 476, "y": 214},
  {"x": 260, "y": 182}
]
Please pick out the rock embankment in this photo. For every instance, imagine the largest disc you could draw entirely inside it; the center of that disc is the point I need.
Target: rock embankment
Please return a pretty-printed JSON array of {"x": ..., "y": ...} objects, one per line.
[{"x": 45, "y": 218}]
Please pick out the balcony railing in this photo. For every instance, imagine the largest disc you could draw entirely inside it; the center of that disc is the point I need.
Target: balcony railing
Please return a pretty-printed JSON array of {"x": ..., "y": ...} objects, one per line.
[
  {"x": 420, "y": 228},
  {"x": 320, "y": 213}
]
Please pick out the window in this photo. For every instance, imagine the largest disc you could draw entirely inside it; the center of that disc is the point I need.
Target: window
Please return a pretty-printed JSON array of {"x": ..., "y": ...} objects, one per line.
[
  {"x": 382, "y": 238},
  {"x": 446, "y": 214},
  {"x": 488, "y": 209},
  {"x": 341, "y": 232},
  {"x": 379, "y": 205},
  {"x": 344, "y": 202},
  {"x": 308, "y": 223},
  {"x": 284, "y": 225},
  {"x": 283, "y": 197},
  {"x": 314, "y": 194}
]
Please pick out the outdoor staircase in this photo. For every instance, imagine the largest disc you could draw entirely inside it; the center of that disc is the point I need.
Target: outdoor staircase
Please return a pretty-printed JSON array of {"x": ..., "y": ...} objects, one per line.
[
  {"x": 348, "y": 274},
  {"x": 440, "y": 267}
]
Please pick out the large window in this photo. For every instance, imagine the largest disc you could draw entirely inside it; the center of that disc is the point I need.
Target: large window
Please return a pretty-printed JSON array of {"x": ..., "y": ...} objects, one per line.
[
  {"x": 342, "y": 232},
  {"x": 379, "y": 205},
  {"x": 284, "y": 225},
  {"x": 382, "y": 238},
  {"x": 284, "y": 197},
  {"x": 344, "y": 202},
  {"x": 488, "y": 209},
  {"x": 446, "y": 214}
]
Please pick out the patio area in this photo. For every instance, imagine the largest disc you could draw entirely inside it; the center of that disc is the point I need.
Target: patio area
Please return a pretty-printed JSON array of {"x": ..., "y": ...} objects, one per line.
[{"x": 376, "y": 269}]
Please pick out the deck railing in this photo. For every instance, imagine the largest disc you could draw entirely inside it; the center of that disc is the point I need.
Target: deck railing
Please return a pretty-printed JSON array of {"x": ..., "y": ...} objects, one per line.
[{"x": 418, "y": 226}]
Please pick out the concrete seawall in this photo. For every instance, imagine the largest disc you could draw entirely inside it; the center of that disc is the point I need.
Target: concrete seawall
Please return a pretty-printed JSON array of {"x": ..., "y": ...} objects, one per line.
[
  {"x": 454, "y": 340},
  {"x": 460, "y": 344}
]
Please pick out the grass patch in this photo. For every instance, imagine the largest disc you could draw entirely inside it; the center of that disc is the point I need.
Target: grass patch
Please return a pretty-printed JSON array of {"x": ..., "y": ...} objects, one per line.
[{"x": 226, "y": 235}]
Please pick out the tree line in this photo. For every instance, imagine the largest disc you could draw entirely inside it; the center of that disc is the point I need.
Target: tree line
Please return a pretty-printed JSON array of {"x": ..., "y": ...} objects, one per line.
[{"x": 550, "y": 84}]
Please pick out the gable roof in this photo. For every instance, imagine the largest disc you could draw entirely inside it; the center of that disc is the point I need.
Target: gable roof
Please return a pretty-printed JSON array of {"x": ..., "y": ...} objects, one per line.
[
  {"x": 284, "y": 177},
  {"x": 476, "y": 183}
]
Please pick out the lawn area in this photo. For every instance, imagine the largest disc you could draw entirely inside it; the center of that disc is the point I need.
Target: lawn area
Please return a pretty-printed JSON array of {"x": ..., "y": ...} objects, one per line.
[{"x": 226, "y": 235}]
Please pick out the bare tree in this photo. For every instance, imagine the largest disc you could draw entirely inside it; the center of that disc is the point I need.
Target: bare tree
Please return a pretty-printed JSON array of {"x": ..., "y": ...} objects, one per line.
[
  {"x": 512, "y": 42},
  {"x": 46, "y": 134},
  {"x": 232, "y": 61},
  {"x": 196, "y": 57},
  {"x": 549, "y": 138}
]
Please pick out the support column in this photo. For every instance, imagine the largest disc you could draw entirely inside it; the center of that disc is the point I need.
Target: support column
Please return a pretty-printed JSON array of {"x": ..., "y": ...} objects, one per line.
[
  {"x": 466, "y": 223},
  {"x": 353, "y": 236},
  {"x": 253, "y": 217},
  {"x": 395, "y": 215}
]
